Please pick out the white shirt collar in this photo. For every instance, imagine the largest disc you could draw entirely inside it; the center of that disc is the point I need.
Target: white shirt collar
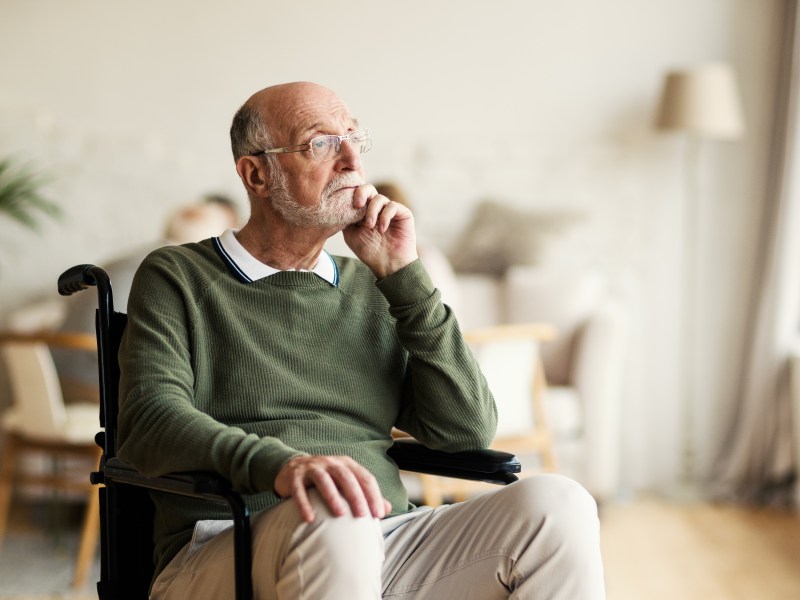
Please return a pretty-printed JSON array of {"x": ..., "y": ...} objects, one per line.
[{"x": 249, "y": 269}]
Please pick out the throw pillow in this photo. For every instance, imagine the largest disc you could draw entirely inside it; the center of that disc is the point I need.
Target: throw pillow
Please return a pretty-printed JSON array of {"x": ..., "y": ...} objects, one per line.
[{"x": 499, "y": 236}]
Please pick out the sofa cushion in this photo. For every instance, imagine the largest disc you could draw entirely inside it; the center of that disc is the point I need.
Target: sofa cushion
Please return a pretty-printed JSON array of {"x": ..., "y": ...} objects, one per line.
[
  {"x": 480, "y": 301},
  {"x": 564, "y": 413},
  {"x": 564, "y": 298},
  {"x": 509, "y": 368},
  {"x": 499, "y": 236}
]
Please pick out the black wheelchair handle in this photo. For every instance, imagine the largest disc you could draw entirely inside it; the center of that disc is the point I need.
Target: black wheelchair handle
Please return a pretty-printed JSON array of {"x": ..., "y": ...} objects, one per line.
[{"x": 76, "y": 279}]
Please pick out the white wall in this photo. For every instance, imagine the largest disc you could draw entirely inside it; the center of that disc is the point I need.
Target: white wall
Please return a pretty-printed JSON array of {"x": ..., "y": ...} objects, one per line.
[{"x": 541, "y": 104}]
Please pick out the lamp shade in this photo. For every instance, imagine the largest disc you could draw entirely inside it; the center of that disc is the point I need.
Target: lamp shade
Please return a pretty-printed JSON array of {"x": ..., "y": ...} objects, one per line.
[{"x": 702, "y": 101}]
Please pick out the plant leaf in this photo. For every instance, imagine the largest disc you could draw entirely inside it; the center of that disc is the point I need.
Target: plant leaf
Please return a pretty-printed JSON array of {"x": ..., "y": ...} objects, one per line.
[{"x": 21, "y": 198}]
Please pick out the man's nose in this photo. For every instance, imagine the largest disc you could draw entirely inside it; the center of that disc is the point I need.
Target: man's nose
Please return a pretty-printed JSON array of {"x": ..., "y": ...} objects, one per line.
[{"x": 349, "y": 157}]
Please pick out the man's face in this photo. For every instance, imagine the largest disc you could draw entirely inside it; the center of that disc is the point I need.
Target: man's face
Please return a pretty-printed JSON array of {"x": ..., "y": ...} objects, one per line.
[{"x": 311, "y": 193}]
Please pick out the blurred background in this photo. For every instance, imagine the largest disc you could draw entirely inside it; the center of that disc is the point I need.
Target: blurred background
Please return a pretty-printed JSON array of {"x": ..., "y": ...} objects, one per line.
[{"x": 633, "y": 160}]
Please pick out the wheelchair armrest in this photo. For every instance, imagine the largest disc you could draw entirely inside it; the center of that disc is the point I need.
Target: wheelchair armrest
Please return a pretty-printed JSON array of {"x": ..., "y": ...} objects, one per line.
[
  {"x": 491, "y": 466},
  {"x": 198, "y": 484}
]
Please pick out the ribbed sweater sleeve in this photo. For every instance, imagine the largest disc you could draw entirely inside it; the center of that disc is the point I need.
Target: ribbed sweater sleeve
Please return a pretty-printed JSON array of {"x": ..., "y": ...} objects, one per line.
[{"x": 447, "y": 403}]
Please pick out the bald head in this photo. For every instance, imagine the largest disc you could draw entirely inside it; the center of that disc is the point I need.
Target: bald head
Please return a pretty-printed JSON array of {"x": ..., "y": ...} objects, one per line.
[{"x": 279, "y": 114}]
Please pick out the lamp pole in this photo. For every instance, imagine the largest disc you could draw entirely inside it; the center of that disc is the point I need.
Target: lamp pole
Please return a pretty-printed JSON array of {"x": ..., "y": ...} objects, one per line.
[
  {"x": 690, "y": 312},
  {"x": 702, "y": 102}
]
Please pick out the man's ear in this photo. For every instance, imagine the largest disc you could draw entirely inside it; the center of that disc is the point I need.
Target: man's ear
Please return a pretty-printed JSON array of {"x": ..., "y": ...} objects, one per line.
[{"x": 253, "y": 173}]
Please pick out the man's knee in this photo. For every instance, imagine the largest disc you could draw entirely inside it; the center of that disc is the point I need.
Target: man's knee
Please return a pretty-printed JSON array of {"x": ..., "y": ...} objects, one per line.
[
  {"x": 340, "y": 536},
  {"x": 321, "y": 559},
  {"x": 554, "y": 503},
  {"x": 334, "y": 540},
  {"x": 555, "y": 493}
]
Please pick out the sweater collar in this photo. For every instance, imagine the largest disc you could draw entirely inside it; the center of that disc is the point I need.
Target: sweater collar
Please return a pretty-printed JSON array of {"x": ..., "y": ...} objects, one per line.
[{"x": 248, "y": 268}]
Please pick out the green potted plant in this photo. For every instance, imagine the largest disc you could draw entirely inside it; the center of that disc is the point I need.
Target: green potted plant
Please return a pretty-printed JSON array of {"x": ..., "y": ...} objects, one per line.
[{"x": 21, "y": 197}]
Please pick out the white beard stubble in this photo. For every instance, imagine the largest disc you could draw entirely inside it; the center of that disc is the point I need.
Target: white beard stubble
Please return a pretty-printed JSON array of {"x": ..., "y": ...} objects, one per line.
[{"x": 333, "y": 211}]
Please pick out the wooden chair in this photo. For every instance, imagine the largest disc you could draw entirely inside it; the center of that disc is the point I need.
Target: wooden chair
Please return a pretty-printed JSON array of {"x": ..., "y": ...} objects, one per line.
[
  {"x": 40, "y": 424},
  {"x": 510, "y": 358}
]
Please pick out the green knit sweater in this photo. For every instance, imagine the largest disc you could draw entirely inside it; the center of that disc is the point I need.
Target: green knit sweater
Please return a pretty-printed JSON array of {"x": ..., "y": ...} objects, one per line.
[{"x": 237, "y": 378}]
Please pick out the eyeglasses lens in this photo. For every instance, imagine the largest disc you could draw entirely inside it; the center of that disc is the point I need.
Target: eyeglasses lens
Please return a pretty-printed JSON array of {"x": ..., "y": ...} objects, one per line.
[
  {"x": 362, "y": 140},
  {"x": 326, "y": 147}
]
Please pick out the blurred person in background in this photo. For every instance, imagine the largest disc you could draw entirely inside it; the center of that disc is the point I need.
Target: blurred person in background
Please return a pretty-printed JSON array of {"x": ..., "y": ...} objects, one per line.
[{"x": 78, "y": 371}]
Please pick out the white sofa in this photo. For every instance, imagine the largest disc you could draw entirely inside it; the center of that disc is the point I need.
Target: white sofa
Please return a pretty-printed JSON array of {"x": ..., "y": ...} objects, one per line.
[{"x": 584, "y": 365}]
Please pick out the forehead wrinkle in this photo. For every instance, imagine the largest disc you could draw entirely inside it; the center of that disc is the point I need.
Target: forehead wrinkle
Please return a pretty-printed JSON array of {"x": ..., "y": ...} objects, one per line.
[{"x": 309, "y": 121}]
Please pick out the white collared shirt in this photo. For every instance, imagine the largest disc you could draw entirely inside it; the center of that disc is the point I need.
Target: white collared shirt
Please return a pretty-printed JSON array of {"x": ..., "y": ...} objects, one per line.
[{"x": 249, "y": 269}]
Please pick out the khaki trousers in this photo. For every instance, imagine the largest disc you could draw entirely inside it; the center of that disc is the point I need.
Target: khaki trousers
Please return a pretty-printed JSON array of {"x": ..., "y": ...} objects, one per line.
[{"x": 537, "y": 538}]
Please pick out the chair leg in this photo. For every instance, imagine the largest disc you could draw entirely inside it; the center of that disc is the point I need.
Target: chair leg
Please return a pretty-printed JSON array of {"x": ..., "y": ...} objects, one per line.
[
  {"x": 89, "y": 539},
  {"x": 431, "y": 491},
  {"x": 90, "y": 535},
  {"x": 7, "y": 481},
  {"x": 548, "y": 456}
]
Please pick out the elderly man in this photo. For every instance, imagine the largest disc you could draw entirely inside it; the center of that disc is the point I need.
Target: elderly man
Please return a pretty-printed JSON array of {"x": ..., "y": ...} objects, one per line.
[{"x": 261, "y": 357}]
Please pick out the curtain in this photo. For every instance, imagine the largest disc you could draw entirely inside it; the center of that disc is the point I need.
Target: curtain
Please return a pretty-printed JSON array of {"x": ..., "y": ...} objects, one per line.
[{"x": 755, "y": 461}]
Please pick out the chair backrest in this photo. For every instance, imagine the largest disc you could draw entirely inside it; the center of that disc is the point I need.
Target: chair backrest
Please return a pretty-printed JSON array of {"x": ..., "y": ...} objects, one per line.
[
  {"x": 111, "y": 332},
  {"x": 38, "y": 404},
  {"x": 129, "y": 510},
  {"x": 126, "y": 512}
]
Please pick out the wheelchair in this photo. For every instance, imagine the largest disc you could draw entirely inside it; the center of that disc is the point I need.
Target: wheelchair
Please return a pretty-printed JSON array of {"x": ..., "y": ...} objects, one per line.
[{"x": 126, "y": 510}]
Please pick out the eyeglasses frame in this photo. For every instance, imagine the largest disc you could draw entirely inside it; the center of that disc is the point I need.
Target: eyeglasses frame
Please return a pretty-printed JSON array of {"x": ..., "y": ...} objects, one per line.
[{"x": 309, "y": 146}]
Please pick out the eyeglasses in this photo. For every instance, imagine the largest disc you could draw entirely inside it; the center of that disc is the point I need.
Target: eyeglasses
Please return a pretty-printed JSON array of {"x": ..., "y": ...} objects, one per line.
[{"x": 327, "y": 147}]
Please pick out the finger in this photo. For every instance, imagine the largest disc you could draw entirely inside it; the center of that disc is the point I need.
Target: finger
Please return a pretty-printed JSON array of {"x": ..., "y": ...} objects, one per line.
[
  {"x": 326, "y": 487},
  {"x": 379, "y": 506},
  {"x": 375, "y": 205},
  {"x": 372, "y": 493},
  {"x": 362, "y": 195},
  {"x": 386, "y": 216},
  {"x": 301, "y": 501},
  {"x": 350, "y": 487}
]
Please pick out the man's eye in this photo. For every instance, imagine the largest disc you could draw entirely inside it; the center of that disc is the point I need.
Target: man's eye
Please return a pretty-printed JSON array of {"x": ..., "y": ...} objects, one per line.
[{"x": 319, "y": 143}]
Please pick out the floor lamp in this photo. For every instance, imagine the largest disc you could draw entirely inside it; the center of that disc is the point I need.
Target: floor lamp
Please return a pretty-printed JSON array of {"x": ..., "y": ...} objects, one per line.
[{"x": 702, "y": 103}]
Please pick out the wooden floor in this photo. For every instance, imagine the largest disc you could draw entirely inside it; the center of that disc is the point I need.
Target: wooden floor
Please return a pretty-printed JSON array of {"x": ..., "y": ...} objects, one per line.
[{"x": 655, "y": 549}]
